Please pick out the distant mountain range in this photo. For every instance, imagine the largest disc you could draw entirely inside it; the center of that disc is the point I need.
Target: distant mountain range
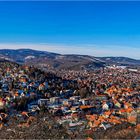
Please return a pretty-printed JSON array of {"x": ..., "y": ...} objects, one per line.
[{"x": 53, "y": 60}]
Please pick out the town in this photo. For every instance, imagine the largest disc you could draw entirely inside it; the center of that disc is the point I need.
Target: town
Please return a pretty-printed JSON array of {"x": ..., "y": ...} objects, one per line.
[{"x": 86, "y": 104}]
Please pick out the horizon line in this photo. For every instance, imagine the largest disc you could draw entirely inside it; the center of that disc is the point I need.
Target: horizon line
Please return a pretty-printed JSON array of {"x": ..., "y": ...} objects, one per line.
[{"x": 83, "y": 49}]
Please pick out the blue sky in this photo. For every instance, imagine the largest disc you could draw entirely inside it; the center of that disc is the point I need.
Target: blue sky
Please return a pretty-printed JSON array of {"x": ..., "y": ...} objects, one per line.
[{"x": 94, "y": 28}]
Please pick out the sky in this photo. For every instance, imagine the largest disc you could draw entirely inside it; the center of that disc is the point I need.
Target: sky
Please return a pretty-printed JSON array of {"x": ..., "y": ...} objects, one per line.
[{"x": 95, "y": 28}]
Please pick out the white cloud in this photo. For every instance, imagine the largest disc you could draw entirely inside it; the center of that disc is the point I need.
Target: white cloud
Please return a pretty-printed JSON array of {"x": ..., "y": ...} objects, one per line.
[{"x": 89, "y": 49}]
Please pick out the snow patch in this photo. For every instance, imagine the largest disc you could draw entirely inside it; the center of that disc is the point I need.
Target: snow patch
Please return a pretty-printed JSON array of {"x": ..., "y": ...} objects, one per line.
[{"x": 30, "y": 57}]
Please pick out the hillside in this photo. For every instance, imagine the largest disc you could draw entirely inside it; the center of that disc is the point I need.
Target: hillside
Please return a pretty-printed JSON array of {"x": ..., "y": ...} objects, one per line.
[
  {"x": 51, "y": 60},
  {"x": 120, "y": 60}
]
